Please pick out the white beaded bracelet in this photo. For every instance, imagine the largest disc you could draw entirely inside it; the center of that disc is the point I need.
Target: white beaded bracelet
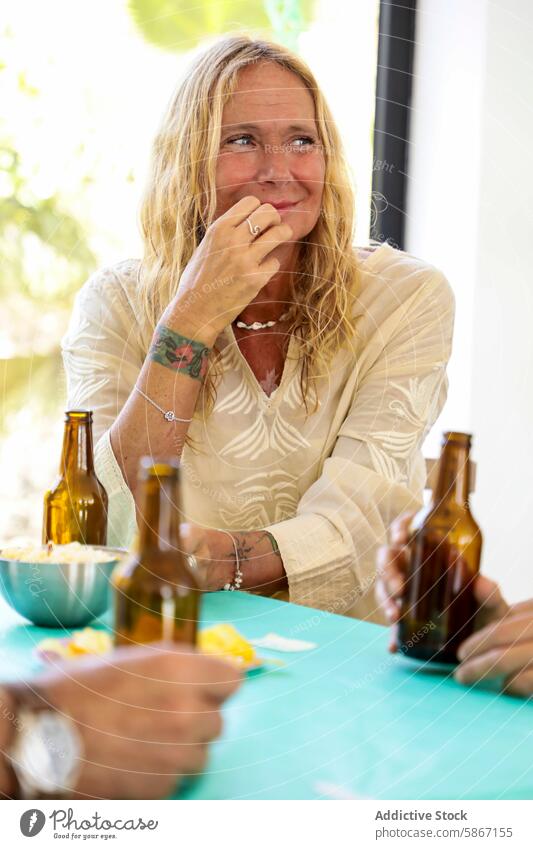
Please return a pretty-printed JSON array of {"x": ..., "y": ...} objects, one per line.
[{"x": 238, "y": 577}]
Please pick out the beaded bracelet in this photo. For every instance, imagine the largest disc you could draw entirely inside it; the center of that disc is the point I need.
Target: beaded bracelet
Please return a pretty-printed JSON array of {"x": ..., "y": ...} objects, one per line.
[{"x": 238, "y": 577}]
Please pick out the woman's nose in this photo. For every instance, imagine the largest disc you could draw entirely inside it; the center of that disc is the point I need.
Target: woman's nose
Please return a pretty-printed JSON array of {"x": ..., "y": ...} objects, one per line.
[{"x": 274, "y": 164}]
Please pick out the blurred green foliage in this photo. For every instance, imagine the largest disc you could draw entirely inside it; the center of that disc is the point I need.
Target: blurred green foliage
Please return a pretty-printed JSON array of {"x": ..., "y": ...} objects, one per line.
[
  {"x": 25, "y": 220},
  {"x": 45, "y": 257},
  {"x": 36, "y": 381},
  {"x": 180, "y": 25}
]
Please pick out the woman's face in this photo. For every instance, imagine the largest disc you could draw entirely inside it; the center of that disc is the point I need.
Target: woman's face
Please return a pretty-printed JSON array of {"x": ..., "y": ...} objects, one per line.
[{"x": 270, "y": 147}]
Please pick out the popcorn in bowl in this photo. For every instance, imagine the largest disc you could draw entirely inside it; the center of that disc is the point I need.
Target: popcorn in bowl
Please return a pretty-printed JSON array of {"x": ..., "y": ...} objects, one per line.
[
  {"x": 72, "y": 552},
  {"x": 58, "y": 586}
]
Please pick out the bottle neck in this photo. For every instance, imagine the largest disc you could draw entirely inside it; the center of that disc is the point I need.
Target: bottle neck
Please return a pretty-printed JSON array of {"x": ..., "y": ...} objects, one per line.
[
  {"x": 453, "y": 483},
  {"x": 77, "y": 453},
  {"x": 160, "y": 517}
]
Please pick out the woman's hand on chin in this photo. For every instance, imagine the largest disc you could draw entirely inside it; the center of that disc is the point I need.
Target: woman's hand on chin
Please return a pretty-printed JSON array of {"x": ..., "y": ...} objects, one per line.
[{"x": 227, "y": 270}]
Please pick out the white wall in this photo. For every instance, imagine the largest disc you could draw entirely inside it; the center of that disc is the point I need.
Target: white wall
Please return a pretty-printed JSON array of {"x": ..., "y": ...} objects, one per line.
[
  {"x": 340, "y": 47},
  {"x": 469, "y": 206}
]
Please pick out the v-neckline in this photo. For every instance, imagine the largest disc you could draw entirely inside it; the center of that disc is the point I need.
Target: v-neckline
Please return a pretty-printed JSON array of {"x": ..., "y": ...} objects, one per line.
[{"x": 289, "y": 364}]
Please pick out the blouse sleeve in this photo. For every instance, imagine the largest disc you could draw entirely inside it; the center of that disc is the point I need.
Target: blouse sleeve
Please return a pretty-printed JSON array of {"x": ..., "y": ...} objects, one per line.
[
  {"x": 102, "y": 359},
  {"x": 376, "y": 469}
]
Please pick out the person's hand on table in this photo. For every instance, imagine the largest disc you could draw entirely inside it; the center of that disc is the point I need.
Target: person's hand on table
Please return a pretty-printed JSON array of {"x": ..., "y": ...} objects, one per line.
[
  {"x": 502, "y": 648},
  {"x": 214, "y": 550},
  {"x": 502, "y": 645},
  {"x": 212, "y": 574},
  {"x": 145, "y": 715},
  {"x": 195, "y": 541}
]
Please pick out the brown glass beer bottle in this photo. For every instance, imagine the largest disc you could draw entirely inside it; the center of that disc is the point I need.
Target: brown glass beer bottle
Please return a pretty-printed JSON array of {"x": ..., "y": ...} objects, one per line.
[
  {"x": 156, "y": 594},
  {"x": 75, "y": 509},
  {"x": 438, "y": 607}
]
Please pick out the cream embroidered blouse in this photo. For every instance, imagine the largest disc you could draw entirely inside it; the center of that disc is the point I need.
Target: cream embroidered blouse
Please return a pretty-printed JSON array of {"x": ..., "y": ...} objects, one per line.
[{"x": 325, "y": 485}]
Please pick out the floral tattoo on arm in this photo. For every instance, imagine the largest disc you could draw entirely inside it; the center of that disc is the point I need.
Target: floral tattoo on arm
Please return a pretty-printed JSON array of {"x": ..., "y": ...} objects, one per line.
[{"x": 177, "y": 352}]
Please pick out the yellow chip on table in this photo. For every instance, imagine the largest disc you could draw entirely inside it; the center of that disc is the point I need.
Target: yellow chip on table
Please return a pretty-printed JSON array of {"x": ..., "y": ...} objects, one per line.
[
  {"x": 225, "y": 641},
  {"x": 88, "y": 641}
]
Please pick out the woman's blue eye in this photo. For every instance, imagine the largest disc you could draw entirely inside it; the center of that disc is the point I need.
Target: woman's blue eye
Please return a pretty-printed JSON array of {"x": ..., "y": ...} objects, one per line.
[
  {"x": 238, "y": 140},
  {"x": 299, "y": 142}
]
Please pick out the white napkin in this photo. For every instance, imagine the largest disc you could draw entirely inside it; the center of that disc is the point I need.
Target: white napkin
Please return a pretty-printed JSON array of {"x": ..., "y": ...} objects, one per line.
[{"x": 279, "y": 643}]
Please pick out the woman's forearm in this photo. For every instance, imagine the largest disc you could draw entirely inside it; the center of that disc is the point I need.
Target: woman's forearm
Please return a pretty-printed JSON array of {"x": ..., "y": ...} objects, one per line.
[
  {"x": 259, "y": 559},
  {"x": 171, "y": 376}
]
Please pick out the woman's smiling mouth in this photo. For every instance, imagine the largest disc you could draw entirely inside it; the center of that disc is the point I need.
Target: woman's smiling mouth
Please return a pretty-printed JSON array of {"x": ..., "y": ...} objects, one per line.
[{"x": 282, "y": 205}]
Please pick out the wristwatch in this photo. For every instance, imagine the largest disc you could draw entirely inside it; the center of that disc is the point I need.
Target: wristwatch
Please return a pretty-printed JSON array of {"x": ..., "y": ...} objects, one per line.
[{"x": 46, "y": 754}]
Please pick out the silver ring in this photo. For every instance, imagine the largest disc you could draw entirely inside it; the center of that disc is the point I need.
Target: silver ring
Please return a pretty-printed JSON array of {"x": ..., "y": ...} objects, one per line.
[
  {"x": 192, "y": 562},
  {"x": 254, "y": 228}
]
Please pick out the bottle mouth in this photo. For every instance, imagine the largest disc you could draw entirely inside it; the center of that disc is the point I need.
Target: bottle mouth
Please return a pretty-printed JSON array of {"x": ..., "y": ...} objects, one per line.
[
  {"x": 457, "y": 437},
  {"x": 78, "y": 415}
]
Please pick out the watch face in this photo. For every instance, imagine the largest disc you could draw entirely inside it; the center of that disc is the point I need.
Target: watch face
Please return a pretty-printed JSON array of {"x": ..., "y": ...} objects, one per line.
[{"x": 47, "y": 754}]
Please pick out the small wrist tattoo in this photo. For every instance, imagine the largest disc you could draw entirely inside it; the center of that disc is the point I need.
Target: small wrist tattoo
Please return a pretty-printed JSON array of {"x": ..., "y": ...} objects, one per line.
[{"x": 177, "y": 352}]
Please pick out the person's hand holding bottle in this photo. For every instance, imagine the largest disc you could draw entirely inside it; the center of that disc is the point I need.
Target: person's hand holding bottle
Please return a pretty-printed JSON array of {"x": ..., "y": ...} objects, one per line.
[{"x": 502, "y": 645}]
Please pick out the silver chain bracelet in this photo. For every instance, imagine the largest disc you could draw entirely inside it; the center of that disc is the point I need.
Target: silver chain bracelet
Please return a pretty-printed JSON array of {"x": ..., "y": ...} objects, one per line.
[
  {"x": 238, "y": 577},
  {"x": 169, "y": 415}
]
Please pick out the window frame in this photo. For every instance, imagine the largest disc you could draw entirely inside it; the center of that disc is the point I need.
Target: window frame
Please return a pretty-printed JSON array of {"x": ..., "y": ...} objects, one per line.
[{"x": 394, "y": 84}]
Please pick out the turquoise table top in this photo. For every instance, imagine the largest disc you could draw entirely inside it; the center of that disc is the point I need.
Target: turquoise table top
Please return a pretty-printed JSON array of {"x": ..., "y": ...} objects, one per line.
[{"x": 345, "y": 719}]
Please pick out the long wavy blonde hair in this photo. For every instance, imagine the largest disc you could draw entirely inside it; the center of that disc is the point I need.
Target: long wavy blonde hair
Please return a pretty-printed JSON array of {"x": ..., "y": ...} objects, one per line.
[{"x": 180, "y": 202}]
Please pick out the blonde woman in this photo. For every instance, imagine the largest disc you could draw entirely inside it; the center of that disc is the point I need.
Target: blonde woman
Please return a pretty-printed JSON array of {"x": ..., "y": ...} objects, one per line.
[{"x": 295, "y": 375}]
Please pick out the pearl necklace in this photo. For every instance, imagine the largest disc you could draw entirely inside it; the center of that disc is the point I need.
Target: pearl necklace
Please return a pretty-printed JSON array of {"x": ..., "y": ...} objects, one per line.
[{"x": 259, "y": 325}]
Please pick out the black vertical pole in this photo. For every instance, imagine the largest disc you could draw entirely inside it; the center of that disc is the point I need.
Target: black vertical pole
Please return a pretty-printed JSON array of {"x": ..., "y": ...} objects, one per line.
[{"x": 396, "y": 46}]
